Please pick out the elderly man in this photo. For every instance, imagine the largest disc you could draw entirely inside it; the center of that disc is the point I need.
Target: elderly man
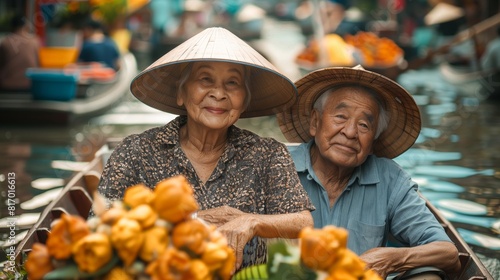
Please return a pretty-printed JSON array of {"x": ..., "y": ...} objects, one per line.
[{"x": 353, "y": 122}]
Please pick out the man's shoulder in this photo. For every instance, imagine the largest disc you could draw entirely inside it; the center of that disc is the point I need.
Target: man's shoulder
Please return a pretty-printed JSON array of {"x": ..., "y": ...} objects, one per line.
[
  {"x": 382, "y": 162},
  {"x": 387, "y": 170},
  {"x": 298, "y": 150}
]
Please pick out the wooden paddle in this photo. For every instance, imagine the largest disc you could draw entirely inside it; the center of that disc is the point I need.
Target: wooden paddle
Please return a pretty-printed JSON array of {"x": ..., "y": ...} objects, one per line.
[{"x": 457, "y": 39}]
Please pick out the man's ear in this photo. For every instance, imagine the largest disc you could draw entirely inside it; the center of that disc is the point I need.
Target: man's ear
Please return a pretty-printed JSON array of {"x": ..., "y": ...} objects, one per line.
[{"x": 314, "y": 122}]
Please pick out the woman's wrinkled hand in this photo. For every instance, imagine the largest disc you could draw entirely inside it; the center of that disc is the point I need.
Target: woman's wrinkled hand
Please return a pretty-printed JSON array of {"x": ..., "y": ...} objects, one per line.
[
  {"x": 238, "y": 232},
  {"x": 220, "y": 215}
]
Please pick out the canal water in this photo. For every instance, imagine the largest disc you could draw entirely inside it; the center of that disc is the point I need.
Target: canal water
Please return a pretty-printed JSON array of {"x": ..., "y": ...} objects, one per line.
[{"x": 456, "y": 159}]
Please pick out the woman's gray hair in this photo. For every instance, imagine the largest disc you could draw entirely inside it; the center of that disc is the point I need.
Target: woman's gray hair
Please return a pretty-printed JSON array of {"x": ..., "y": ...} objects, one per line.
[
  {"x": 383, "y": 116},
  {"x": 246, "y": 76}
]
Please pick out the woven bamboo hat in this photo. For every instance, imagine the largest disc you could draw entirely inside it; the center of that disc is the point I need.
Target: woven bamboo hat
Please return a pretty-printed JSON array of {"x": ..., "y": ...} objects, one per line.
[
  {"x": 443, "y": 12},
  {"x": 271, "y": 91},
  {"x": 404, "y": 114}
]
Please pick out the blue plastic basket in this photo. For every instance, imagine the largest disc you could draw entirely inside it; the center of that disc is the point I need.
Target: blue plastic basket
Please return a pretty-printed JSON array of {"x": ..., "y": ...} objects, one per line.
[{"x": 53, "y": 85}]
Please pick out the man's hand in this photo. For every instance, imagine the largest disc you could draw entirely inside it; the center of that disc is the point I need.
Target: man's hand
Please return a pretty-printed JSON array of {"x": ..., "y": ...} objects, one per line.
[
  {"x": 440, "y": 254},
  {"x": 381, "y": 260}
]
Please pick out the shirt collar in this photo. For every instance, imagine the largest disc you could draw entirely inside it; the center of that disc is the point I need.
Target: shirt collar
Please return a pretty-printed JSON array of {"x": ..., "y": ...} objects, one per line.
[
  {"x": 301, "y": 154},
  {"x": 366, "y": 174},
  {"x": 169, "y": 135}
]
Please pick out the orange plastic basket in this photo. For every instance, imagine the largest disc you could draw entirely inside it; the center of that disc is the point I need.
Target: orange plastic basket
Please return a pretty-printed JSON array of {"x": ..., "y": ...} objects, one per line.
[{"x": 57, "y": 57}]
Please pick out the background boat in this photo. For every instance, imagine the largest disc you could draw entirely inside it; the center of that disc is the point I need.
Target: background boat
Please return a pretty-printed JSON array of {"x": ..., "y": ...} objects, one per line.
[
  {"x": 90, "y": 100},
  {"x": 469, "y": 81}
]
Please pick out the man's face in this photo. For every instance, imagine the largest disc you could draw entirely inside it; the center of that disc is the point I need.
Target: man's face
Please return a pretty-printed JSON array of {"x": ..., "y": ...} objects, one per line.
[{"x": 344, "y": 132}]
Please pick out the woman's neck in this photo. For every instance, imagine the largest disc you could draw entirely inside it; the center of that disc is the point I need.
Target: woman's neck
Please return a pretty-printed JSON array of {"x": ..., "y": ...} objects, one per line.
[
  {"x": 203, "y": 148},
  {"x": 203, "y": 140}
]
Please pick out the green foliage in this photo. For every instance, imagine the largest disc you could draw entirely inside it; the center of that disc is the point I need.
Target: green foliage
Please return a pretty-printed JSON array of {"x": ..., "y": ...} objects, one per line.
[
  {"x": 71, "y": 271},
  {"x": 283, "y": 263},
  {"x": 17, "y": 272}
]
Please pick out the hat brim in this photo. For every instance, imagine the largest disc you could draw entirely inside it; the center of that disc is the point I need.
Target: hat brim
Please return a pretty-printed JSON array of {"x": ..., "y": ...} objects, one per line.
[
  {"x": 271, "y": 91},
  {"x": 404, "y": 115},
  {"x": 443, "y": 12}
]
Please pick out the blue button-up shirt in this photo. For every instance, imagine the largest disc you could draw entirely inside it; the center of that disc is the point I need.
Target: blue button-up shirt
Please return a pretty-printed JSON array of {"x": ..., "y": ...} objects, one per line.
[{"x": 379, "y": 201}]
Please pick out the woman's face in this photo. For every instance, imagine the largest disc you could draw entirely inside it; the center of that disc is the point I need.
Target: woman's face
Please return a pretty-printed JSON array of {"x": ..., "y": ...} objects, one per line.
[{"x": 214, "y": 94}]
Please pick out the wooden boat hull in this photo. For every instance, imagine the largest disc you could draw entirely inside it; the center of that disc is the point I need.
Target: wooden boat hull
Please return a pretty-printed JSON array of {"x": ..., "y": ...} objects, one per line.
[
  {"x": 469, "y": 82},
  {"x": 20, "y": 108},
  {"x": 76, "y": 199}
]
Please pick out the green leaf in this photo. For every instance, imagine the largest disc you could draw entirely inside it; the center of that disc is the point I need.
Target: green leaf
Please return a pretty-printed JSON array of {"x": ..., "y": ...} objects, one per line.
[
  {"x": 274, "y": 249},
  {"x": 293, "y": 271},
  {"x": 283, "y": 263},
  {"x": 252, "y": 273},
  {"x": 71, "y": 271}
]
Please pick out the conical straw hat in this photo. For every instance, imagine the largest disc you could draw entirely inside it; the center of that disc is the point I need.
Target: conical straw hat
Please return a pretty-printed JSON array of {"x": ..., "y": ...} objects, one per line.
[
  {"x": 404, "y": 114},
  {"x": 443, "y": 12},
  {"x": 270, "y": 91}
]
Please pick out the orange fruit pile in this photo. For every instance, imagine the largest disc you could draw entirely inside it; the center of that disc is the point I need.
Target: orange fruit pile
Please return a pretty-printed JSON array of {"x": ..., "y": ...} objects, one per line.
[{"x": 375, "y": 51}]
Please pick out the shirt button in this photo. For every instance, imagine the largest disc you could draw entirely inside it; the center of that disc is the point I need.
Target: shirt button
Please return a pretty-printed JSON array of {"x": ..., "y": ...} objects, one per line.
[{"x": 309, "y": 177}]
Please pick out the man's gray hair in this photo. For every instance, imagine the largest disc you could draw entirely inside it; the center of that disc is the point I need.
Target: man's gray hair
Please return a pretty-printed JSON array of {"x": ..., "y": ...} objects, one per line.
[{"x": 383, "y": 116}]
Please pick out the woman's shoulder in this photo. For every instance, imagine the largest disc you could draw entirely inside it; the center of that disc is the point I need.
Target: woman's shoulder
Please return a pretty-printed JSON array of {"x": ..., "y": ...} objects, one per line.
[
  {"x": 145, "y": 137},
  {"x": 250, "y": 138}
]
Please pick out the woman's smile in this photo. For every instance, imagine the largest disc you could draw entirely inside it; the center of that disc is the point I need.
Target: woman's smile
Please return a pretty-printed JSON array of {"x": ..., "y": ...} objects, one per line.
[{"x": 215, "y": 110}]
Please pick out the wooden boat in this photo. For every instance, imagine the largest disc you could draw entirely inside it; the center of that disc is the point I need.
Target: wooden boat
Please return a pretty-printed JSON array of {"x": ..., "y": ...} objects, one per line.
[
  {"x": 91, "y": 100},
  {"x": 76, "y": 199},
  {"x": 470, "y": 82},
  {"x": 392, "y": 72}
]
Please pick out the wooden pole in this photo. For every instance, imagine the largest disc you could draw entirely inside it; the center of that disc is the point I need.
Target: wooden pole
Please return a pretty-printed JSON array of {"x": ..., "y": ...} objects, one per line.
[{"x": 319, "y": 34}]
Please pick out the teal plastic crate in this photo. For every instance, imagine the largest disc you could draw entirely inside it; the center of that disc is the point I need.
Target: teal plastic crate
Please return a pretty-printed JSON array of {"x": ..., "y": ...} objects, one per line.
[{"x": 52, "y": 84}]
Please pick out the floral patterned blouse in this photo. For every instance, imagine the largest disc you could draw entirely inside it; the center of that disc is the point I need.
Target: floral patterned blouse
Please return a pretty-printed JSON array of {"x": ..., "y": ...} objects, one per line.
[{"x": 254, "y": 174}]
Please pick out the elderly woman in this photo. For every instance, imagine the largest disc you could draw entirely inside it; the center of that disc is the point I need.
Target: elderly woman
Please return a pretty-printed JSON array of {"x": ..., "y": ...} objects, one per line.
[{"x": 244, "y": 184}]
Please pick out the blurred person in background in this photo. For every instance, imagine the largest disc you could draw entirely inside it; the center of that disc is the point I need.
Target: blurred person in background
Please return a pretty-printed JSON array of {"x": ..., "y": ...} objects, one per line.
[
  {"x": 97, "y": 46},
  {"x": 490, "y": 60},
  {"x": 164, "y": 18},
  {"x": 18, "y": 52},
  {"x": 490, "y": 65}
]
